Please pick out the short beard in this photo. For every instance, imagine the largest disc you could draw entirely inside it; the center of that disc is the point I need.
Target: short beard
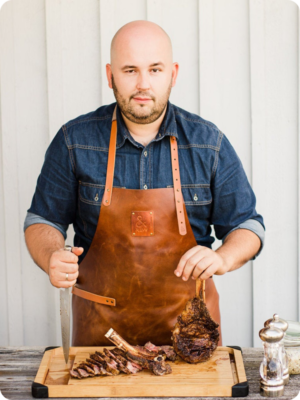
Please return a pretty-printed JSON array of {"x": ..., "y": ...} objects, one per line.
[{"x": 133, "y": 116}]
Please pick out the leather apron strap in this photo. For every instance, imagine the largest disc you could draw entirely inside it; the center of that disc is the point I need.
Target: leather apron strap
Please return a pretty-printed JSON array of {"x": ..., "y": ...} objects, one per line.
[{"x": 106, "y": 201}]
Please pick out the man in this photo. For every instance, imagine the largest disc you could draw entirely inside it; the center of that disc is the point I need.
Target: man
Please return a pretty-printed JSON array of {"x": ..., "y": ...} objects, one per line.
[{"x": 139, "y": 162}]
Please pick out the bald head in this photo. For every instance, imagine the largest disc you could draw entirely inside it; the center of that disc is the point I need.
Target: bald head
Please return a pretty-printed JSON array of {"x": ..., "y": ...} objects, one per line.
[{"x": 141, "y": 37}]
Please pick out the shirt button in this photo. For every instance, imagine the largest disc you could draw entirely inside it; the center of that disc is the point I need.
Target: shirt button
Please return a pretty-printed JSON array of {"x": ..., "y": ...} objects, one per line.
[
  {"x": 145, "y": 153},
  {"x": 195, "y": 197},
  {"x": 145, "y": 187}
]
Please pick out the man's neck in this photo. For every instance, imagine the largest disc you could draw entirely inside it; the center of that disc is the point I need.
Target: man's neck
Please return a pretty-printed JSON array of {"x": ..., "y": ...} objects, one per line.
[{"x": 144, "y": 133}]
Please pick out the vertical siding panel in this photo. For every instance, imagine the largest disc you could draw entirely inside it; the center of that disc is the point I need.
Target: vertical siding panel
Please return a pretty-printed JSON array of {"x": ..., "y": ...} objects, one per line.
[
  {"x": 73, "y": 59},
  {"x": 298, "y": 181},
  {"x": 10, "y": 179},
  {"x": 107, "y": 31},
  {"x": 274, "y": 71},
  {"x": 155, "y": 12},
  {"x": 32, "y": 139},
  {"x": 225, "y": 100},
  {"x": 54, "y": 56},
  {"x": 3, "y": 278},
  {"x": 182, "y": 27}
]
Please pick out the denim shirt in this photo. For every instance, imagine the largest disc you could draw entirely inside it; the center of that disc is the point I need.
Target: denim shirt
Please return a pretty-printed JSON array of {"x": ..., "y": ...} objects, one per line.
[{"x": 215, "y": 188}]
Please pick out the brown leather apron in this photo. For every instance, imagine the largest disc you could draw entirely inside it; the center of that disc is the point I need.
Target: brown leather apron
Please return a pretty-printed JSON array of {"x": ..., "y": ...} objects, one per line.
[{"x": 126, "y": 280}]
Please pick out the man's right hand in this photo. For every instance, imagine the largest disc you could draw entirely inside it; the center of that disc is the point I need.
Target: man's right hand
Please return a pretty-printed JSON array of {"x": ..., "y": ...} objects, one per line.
[{"x": 64, "y": 262}]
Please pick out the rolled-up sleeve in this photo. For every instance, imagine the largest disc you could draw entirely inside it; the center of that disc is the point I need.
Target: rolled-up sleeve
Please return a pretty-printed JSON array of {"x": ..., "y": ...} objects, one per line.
[
  {"x": 234, "y": 201},
  {"x": 32, "y": 219},
  {"x": 55, "y": 196}
]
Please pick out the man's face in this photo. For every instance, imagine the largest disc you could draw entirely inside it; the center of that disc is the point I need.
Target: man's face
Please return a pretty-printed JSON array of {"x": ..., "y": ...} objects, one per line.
[{"x": 142, "y": 75}]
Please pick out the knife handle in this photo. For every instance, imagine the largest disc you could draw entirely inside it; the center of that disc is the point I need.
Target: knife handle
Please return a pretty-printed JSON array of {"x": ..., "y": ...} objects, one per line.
[{"x": 68, "y": 248}]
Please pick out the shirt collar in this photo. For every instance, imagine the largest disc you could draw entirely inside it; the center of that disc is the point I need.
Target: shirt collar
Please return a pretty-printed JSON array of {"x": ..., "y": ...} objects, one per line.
[{"x": 167, "y": 128}]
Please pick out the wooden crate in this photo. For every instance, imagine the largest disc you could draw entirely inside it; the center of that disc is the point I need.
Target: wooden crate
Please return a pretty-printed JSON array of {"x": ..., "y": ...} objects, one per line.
[{"x": 221, "y": 376}]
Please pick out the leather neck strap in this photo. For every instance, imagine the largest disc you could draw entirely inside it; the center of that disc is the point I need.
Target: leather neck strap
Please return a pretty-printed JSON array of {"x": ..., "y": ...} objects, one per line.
[{"x": 106, "y": 201}]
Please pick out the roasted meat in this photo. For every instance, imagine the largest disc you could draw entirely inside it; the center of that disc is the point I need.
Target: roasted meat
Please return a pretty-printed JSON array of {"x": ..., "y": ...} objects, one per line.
[
  {"x": 195, "y": 335},
  {"x": 125, "y": 358}
]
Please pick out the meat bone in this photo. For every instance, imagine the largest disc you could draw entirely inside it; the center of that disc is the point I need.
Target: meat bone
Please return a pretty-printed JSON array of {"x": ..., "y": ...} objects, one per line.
[{"x": 146, "y": 358}]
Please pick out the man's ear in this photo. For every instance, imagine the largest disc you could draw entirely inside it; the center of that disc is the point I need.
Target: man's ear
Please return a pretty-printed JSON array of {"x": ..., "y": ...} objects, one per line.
[
  {"x": 109, "y": 75},
  {"x": 174, "y": 73}
]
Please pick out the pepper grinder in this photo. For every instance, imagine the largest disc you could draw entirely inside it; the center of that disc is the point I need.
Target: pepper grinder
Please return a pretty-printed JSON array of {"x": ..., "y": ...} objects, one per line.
[
  {"x": 271, "y": 371},
  {"x": 283, "y": 325}
]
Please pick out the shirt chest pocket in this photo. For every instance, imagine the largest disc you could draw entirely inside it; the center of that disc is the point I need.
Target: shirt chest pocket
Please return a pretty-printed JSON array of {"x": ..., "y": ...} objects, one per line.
[
  {"x": 90, "y": 193},
  {"x": 89, "y": 203},
  {"x": 198, "y": 201},
  {"x": 196, "y": 195}
]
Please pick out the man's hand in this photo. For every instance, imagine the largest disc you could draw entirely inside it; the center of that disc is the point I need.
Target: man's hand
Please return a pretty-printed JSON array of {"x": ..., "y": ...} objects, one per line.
[
  {"x": 64, "y": 262},
  {"x": 200, "y": 260},
  {"x": 238, "y": 248}
]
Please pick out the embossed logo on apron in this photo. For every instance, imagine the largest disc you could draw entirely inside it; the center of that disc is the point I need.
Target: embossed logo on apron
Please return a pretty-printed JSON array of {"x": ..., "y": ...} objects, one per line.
[{"x": 142, "y": 223}]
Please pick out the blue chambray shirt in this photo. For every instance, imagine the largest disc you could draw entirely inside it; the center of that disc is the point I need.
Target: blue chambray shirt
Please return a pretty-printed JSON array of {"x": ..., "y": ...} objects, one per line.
[{"x": 215, "y": 188}]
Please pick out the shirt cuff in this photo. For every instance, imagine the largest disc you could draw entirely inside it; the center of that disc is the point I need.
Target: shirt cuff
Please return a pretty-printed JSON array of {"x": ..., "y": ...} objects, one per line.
[
  {"x": 32, "y": 219},
  {"x": 254, "y": 226}
]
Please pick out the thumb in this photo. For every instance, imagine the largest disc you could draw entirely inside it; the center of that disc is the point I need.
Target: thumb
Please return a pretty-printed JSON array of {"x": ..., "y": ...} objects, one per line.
[{"x": 77, "y": 250}]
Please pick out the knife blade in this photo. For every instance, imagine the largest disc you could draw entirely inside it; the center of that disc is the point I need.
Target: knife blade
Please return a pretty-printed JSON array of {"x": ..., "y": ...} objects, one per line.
[{"x": 65, "y": 307}]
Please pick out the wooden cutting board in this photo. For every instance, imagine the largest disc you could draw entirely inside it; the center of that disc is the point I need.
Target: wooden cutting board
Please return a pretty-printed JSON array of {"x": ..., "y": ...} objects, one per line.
[{"x": 221, "y": 376}]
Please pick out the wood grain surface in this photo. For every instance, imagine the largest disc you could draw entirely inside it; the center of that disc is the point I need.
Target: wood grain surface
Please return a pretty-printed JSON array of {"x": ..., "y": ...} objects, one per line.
[{"x": 19, "y": 366}]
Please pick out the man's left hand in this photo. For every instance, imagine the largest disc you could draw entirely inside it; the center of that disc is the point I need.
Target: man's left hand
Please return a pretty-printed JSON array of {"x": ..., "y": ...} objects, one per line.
[{"x": 200, "y": 260}]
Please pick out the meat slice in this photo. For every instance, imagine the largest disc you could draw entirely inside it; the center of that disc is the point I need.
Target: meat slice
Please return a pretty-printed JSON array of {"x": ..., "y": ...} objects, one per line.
[
  {"x": 167, "y": 351},
  {"x": 75, "y": 374},
  {"x": 195, "y": 335}
]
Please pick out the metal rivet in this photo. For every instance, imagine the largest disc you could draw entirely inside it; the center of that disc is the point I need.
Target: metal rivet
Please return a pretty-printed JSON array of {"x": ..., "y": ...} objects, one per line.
[
  {"x": 108, "y": 190},
  {"x": 178, "y": 201},
  {"x": 112, "y": 302},
  {"x": 175, "y": 169},
  {"x": 96, "y": 197},
  {"x": 106, "y": 301},
  {"x": 133, "y": 233},
  {"x": 150, "y": 212},
  {"x": 106, "y": 201},
  {"x": 151, "y": 233},
  {"x": 195, "y": 197},
  {"x": 174, "y": 159},
  {"x": 132, "y": 213},
  {"x": 177, "y": 190}
]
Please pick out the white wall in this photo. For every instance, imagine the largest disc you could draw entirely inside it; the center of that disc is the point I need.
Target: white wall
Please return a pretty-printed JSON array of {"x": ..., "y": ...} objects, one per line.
[{"x": 239, "y": 68}]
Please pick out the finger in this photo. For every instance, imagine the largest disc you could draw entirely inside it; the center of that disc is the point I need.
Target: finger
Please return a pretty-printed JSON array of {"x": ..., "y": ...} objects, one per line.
[
  {"x": 184, "y": 259},
  {"x": 201, "y": 266},
  {"x": 62, "y": 276},
  {"x": 208, "y": 272},
  {"x": 65, "y": 256},
  {"x": 77, "y": 250},
  {"x": 191, "y": 264},
  {"x": 65, "y": 267}
]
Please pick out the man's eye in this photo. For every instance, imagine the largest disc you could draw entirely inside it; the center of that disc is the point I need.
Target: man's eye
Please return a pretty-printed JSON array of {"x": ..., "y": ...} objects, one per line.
[
  {"x": 155, "y": 70},
  {"x": 130, "y": 70}
]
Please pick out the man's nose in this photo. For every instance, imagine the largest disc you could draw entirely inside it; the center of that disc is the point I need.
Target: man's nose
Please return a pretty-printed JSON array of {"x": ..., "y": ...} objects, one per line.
[{"x": 143, "y": 82}]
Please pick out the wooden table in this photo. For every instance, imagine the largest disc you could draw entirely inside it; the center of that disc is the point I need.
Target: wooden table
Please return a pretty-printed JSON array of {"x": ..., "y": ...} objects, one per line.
[{"x": 19, "y": 365}]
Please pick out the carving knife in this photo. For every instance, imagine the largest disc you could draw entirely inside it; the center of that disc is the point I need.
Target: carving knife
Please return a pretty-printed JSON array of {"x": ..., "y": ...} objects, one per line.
[{"x": 65, "y": 309}]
